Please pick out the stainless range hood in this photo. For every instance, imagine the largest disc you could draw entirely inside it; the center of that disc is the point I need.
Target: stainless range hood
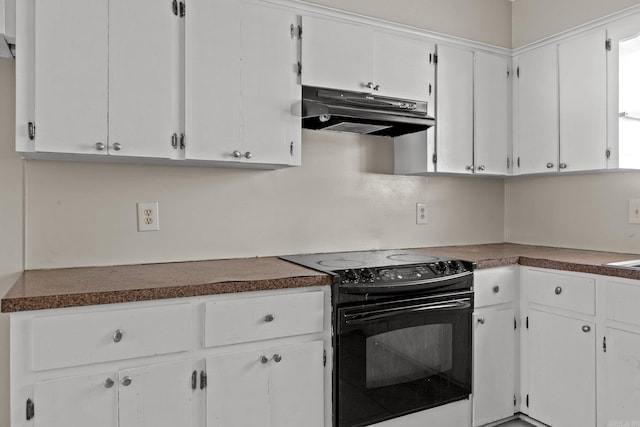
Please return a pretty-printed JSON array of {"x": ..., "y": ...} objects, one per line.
[{"x": 362, "y": 113}]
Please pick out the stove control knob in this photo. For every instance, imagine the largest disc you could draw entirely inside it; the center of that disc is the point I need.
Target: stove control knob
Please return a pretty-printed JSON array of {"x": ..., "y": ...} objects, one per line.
[
  {"x": 454, "y": 267},
  {"x": 387, "y": 275},
  {"x": 351, "y": 275},
  {"x": 442, "y": 267},
  {"x": 367, "y": 274}
]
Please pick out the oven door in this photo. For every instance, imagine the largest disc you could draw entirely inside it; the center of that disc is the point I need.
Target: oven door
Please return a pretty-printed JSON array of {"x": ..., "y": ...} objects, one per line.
[{"x": 400, "y": 357}]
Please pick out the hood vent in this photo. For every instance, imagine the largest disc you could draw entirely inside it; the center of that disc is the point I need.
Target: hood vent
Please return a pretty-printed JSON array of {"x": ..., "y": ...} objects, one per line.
[{"x": 362, "y": 113}]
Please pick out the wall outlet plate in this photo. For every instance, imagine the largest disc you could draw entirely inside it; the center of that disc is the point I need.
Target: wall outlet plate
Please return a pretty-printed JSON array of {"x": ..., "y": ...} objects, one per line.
[
  {"x": 421, "y": 213},
  {"x": 148, "y": 218},
  {"x": 634, "y": 211}
]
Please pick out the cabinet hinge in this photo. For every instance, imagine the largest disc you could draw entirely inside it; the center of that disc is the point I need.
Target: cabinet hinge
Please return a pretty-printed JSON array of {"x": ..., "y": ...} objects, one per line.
[
  {"x": 183, "y": 9},
  {"x": 194, "y": 380},
  {"x": 291, "y": 148},
  {"x": 174, "y": 7},
  {"x": 32, "y": 131},
  {"x": 430, "y": 89},
  {"x": 527, "y": 400},
  {"x": 607, "y": 44},
  {"x": 292, "y": 30},
  {"x": 604, "y": 344},
  {"x": 174, "y": 141},
  {"x": 515, "y": 402},
  {"x": 508, "y": 162},
  {"x": 435, "y": 58},
  {"x": 508, "y": 72},
  {"x": 435, "y": 158},
  {"x": 31, "y": 410},
  {"x": 299, "y": 68},
  {"x": 182, "y": 141},
  {"x": 299, "y": 31},
  {"x": 527, "y": 322},
  {"x": 608, "y": 153},
  {"x": 518, "y": 161},
  {"x": 203, "y": 380},
  {"x": 324, "y": 357},
  {"x": 518, "y": 72},
  {"x": 515, "y": 324}
]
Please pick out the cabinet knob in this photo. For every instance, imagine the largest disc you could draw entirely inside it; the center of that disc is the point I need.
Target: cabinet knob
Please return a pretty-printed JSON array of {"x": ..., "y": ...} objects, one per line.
[
  {"x": 563, "y": 165},
  {"x": 377, "y": 88},
  {"x": 558, "y": 290},
  {"x": 481, "y": 320},
  {"x": 248, "y": 155},
  {"x": 237, "y": 154},
  {"x": 481, "y": 168},
  {"x": 126, "y": 381},
  {"x": 117, "y": 335},
  {"x": 264, "y": 359},
  {"x": 586, "y": 328},
  {"x": 370, "y": 85},
  {"x": 277, "y": 358},
  {"x": 108, "y": 383},
  {"x": 470, "y": 168},
  {"x": 269, "y": 318},
  {"x": 496, "y": 289},
  {"x": 99, "y": 146},
  {"x": 549, "y": 165},
  {"x": 117, "y": 146}
]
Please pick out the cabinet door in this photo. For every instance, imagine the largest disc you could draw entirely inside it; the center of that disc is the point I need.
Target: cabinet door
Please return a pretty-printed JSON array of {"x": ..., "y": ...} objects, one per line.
[
  {"x": 493, "y": 366},
  {"x": 71, "y": 72},
  {"x": 491, "y": 113},
  {"x": 622, "y": 377},
  {"x": 536, "y": 115},
  {"x": 271, "y": 96},
  {"x": 454, "y": 110},
  {"x": 238, "y": 389},
  {"x": 77, "y": 401},
  {"x": 212, "y": 70},
  {"x": 562, "y": 370},
  {"x": 156, "y": 396},
  {"x": 144, "y": 78},
  {"x": 401, "y": 66},
  {"x": 296, "y": 385},
  {"x": 583, "y": 102},
  {"x": 336, "y": 54}
]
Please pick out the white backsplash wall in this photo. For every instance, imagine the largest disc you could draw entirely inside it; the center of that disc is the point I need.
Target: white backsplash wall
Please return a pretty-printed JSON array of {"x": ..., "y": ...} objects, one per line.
[
  {"x": 344, "y": 197},
  {"x": 576, "y": 211}
]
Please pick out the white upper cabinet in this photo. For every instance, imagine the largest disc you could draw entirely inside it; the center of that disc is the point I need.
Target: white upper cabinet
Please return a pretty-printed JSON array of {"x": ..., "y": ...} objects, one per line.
[
  {"x": 454, "y": 110},
  {"x": 242, "y": 91},
  {"x": 7, "y": 26},
  {"x": 536, "y": 113},
  {"x": 623, "y": 90},
  {"x": 583, "y": 102},
  {"x": 349, "y": 56},
  {"x": 491, "y": 114},
  {"x": 101, "y": 86}
]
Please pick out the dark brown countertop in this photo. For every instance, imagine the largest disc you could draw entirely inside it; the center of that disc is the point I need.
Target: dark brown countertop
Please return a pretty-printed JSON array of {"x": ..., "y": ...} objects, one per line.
[
  {"x": 43, "y": 289},
  {"x": 70, "y": 287}
]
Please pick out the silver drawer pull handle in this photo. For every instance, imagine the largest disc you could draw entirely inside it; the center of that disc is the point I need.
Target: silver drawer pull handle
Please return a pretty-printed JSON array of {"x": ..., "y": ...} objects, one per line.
[
  {"x": 237, "y": 154},
  {"x": 117, "y": 335},
  {"x": 248, "y": 155},
  {"x": 126, "y": 381},
  {"x": 108, "y": 383},
  {"x": 277, "y": 358},
  {"x": 496, "y": 289},
  {"x": 264, "y": 359},
  {"x": 269, "y": 318},
  {"x": 117, "y": 146},
  {"x": 558, "y": 290},
  {"x": 481, "y": 320},
  {"x": 99, "y": 146},
  {"x": 586, "y": 328},
  {"x": 370, "y": 85},
  {"x": 549, "y": 165}
]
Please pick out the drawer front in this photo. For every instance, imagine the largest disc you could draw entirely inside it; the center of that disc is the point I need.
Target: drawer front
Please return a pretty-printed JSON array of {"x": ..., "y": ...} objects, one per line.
[
  {"x": 85, "y": 338},
  {"x": 622, "y": 302},
  {"x": 261, "y": 318},
  {"x": 564, "y": 291},
  {"x": 494, "y": 286}
]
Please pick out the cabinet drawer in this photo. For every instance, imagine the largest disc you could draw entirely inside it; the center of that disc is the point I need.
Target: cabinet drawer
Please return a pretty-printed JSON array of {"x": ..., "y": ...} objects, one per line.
[
  {"x": 253, "y": 319},
  {"x": 85, "y": 338},
  {"x": 622, "y": 302},
  {"x": 494, "y": 286},
  {"x": 564, "y": 291}
]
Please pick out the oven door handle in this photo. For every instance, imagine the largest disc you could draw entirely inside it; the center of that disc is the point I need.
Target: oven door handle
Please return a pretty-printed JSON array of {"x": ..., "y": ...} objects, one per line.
[{"x": 385, "y": 314}]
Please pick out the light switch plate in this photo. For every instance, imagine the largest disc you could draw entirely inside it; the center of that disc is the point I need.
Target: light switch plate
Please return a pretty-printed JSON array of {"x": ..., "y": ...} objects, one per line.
[
  {"x": 421, "y": 213},
  {"x": 634, "y": 211},
  {"x": 148, "y": 218}
]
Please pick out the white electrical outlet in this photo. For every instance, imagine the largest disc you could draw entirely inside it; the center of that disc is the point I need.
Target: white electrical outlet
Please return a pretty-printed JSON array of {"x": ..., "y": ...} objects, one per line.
[
  {"x": 634, "y": 211},
  {"x": 421, "y": 213},
  {"x": 148, "y": 218}
]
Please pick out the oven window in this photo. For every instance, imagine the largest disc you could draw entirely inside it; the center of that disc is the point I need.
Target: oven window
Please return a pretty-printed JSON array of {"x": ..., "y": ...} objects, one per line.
[{"x": 406, "y": 355}]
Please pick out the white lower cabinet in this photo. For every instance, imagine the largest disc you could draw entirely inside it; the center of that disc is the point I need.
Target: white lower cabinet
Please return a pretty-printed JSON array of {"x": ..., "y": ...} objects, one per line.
[
  {"x": 150, "y": 396},
  {"x": 622, "y": 388},
  {"x": 278, "y": 386}
]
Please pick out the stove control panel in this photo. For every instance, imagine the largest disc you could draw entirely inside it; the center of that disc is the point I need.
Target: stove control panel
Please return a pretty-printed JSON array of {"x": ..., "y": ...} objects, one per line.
[{"x": 399, "y": 274}]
